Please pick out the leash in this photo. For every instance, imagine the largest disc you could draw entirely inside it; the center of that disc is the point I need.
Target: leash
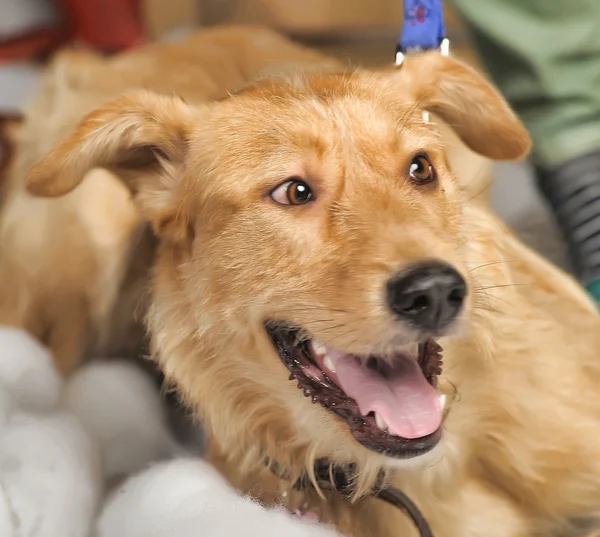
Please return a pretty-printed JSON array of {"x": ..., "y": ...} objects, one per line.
[
  {"x": 329, "y": 476},
  {"x": 398, "y": 499},
  {"x": 424, "y": 29}
]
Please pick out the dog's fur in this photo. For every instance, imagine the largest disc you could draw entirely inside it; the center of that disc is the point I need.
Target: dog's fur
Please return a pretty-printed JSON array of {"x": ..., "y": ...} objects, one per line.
[
  {"x": 73, "y": 270},
  {"x": 519, "y": 455}
]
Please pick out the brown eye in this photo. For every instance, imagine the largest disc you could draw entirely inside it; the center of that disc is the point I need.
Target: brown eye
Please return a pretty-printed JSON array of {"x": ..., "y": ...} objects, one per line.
[
  {"x": 292, "y": 192},
  {"x": 421, "y": 171}
]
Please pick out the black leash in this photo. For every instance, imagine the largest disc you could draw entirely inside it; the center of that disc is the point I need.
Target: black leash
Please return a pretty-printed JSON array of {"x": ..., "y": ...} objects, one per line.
[
  {"x": 398, "y": 499},
  {"x": 331, "y": 477}
]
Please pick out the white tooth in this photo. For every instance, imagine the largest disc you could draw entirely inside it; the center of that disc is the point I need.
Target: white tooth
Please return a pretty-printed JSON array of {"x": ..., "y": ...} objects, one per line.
[
  {"x": 319, "y": 348},
  {"x": 380, "y": 423},
  {"x": 329, "y": 364},
  {"x": 443, "y": 401}
]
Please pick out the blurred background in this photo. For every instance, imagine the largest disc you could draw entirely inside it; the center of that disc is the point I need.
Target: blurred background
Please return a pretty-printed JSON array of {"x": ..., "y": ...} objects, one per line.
[{"x": 362, "y": 31}]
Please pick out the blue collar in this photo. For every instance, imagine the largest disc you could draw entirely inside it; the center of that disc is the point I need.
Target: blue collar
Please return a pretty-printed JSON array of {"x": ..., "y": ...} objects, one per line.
[{"x": 423, "y": 28}]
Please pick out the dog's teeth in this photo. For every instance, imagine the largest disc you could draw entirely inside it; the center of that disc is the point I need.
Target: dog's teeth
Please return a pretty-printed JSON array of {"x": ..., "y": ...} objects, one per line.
[
  {"x": 380, "y": 423},
  {"x": 329, "y": 364},
  {"x": 443, "y": 401},
  {"x": 318, "y": 348}
]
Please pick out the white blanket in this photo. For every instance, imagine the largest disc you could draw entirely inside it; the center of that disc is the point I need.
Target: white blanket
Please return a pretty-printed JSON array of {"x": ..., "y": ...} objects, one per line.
[{"x": 61, "y": 444}]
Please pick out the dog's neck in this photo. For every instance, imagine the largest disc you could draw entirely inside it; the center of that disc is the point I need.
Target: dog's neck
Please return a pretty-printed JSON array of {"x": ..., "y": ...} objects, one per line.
[{"x": 328, "y": 476}]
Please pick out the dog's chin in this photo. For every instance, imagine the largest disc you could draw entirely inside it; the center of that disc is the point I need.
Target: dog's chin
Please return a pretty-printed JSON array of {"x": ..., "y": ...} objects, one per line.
[
  {"x": 427, "y": 460},
  {"x": 390, "y": 406}
]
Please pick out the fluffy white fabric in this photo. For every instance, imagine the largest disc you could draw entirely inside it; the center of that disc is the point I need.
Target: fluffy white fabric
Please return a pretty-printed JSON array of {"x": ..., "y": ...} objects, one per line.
[
  {"x": 49, "y": 480},
  {"x": 122, "y": 410},
  {"x": 61, "y": 444},
  {"x": 187, "y": 498},
  {"x": 26, "y": 372}
]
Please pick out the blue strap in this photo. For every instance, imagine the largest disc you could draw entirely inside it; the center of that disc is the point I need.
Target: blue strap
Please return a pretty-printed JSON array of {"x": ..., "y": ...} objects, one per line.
[{"x": 423, "y": 26}]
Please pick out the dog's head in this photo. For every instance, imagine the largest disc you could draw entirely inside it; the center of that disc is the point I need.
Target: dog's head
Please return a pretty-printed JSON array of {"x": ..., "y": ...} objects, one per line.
[{"x": 311, "y": 235}]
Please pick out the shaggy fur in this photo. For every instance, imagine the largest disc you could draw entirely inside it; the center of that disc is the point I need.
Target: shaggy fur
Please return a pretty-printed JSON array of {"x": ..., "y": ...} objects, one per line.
[
  {"x": 73, "y": 271},
  {"x": 519, "y": 456}
]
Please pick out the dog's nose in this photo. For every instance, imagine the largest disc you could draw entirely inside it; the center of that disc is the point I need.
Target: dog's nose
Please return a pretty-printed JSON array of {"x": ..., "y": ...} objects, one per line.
[{"x": 429, "y": 296}]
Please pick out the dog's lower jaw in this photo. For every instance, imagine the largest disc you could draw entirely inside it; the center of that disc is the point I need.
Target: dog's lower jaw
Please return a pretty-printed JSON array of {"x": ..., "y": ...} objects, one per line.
[{"x": 416, "y": 464}]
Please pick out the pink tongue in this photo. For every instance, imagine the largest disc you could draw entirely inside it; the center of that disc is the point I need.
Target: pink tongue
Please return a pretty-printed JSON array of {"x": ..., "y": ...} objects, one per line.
[{"x": 408, "y": 404}]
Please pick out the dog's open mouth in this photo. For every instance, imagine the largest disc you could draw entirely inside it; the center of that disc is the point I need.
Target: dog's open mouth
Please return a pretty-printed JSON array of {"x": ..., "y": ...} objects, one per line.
[{"x": 392, "y": 407}]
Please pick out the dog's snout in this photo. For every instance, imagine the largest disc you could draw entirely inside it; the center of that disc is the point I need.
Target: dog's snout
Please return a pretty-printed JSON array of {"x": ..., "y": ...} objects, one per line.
[{"x": 429, "y": 296}]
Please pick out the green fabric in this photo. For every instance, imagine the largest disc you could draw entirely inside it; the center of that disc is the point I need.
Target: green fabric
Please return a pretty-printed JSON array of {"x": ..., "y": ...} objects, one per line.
[
  {"x": 594, "y": 290},
  {"x": 544, "y": 55}
]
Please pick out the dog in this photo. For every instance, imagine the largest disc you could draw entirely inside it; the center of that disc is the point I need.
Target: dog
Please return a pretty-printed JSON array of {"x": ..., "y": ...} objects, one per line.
[
  {"x": 73, "y": 271},
  {"x": 324, "y": 288}
]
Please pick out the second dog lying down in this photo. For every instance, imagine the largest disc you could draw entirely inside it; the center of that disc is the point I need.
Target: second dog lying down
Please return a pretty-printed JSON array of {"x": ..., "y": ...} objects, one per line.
[
  {"x": 312, "y": 234},
  {"x": 73, "y": 271}
]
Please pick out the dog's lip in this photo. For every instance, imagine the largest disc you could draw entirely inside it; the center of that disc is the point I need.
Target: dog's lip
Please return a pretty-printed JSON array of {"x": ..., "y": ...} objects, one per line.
[{"x": 318, "y": 385}]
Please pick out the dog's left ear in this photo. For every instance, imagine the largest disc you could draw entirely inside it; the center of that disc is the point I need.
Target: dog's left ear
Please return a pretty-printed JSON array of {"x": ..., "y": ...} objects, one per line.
[
  {"x": 467, "y": 102},
  {"x": 142, "y": 137}
]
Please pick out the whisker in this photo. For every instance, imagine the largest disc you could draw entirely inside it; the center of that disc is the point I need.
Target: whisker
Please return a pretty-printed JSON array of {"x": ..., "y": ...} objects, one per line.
[
  {"x": 343, "y": 335},
  {"x": 194, "y": 274},
  {"x": 314, "y": 307},
  {"x": 318, "y": 321},
  {"x": 487, "y": 295},
  {"x": 500, "y": 286},
  {"x": 332, "y": 327},
  {"x": 468, "y": 239},
  {"x": 480, "y": 309},
  {"x": 477, "y": 194},
  {"x": 489, "y": 265}
]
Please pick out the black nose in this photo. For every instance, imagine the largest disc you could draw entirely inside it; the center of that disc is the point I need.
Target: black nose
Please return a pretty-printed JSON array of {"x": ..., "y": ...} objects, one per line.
[{"x": 429, "y": 296}]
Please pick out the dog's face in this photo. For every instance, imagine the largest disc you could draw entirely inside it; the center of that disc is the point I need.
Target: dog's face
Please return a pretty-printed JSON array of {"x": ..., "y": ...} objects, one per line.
[{"x": 311, "y": 247}]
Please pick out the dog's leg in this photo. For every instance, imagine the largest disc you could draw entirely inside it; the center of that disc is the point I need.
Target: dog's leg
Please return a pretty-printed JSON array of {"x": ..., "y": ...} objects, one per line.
[
  {"x": 68, "y": 331},
  {"x": 61, "y": 323},
  {"x": 14, "y": 298}
]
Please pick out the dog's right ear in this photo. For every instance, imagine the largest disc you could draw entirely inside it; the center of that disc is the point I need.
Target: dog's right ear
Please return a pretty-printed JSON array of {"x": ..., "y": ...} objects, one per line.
[
  {"x": 467, "y": 102},
  {"x": 142, "y": 137}
]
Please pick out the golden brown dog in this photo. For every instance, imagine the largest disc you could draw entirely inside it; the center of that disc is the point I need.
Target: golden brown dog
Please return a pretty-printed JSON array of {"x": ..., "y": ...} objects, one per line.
[
  {"x": 73, "y": 271},
  {"x": 311, "y": 234}
]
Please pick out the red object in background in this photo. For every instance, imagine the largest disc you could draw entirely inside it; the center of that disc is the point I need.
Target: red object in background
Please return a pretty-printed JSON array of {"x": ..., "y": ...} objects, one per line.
[
  {"x": 36, "y": 43},
  {"x": 104, "y": 25}
]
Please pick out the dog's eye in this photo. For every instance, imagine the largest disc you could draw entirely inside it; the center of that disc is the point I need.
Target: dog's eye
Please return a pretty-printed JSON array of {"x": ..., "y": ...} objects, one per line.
[
  {"x": 421, "y": 170},
  {"x": 292, "y": 192}
]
